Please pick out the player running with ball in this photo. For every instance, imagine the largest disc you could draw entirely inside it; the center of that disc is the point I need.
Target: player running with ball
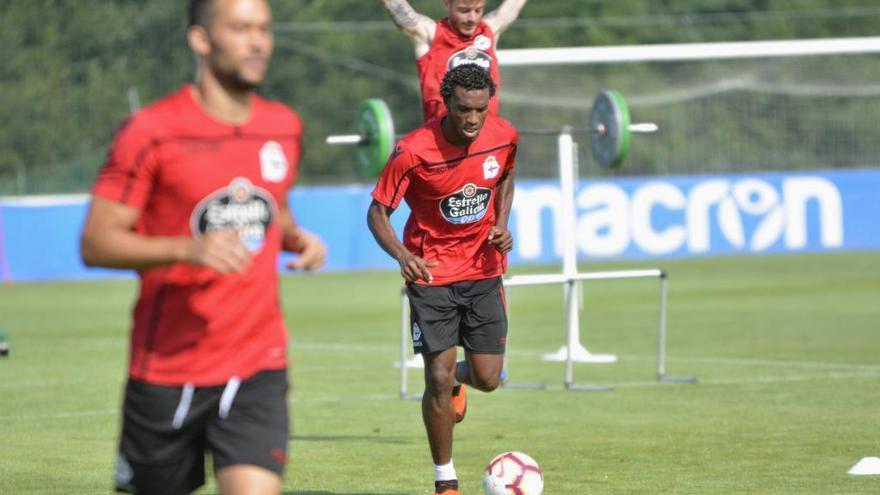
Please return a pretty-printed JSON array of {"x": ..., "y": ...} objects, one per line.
[{"x": 456, "y": 175}]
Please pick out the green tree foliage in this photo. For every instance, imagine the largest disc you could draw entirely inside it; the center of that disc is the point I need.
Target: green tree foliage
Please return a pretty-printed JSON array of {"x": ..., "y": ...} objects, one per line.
[{"x": 72, "y": 71}]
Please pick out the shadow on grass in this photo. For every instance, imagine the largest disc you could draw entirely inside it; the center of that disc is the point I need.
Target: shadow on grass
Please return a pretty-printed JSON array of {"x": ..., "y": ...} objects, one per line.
[
  {"x": 350, "y": 438},
  {"x": 312, "y": 492},
  {"x": 343, "y": 493}
]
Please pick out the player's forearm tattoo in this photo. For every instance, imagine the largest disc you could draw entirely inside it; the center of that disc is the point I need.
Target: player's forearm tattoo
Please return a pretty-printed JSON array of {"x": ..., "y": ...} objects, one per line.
[{"x": 401, "y": 13}]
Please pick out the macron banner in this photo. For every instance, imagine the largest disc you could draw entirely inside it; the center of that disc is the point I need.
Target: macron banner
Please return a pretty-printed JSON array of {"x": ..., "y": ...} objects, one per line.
[
  {"x": 633, "y": 218},
  {"x": 697, "y": 216}
]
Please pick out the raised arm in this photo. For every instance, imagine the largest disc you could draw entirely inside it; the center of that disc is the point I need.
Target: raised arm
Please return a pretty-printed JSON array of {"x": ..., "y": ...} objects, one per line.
[
  {"x": 417, "y": 27},
  {"x": 501, "y": 18}
]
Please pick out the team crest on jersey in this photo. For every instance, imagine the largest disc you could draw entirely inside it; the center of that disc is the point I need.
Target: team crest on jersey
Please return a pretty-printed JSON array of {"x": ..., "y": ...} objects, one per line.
[
  {"x": 466, "y": 206},
  {"x": 482, "y": 42},
  {"x": 240, "y": 206},
  {"x": 491, "y": 167},
  {"x": 470, "y": 55},
  {"x": 273, "y": 163}
]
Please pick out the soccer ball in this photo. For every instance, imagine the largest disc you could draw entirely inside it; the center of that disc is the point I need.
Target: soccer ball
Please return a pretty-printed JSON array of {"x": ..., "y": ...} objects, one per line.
[{"x": 513, "y": 473}]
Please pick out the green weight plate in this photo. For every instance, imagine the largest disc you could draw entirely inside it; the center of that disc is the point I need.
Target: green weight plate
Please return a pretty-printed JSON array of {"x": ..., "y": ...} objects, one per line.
[
  {"x": 610, "y": 112},
  {"x": 375, "y": 125}
]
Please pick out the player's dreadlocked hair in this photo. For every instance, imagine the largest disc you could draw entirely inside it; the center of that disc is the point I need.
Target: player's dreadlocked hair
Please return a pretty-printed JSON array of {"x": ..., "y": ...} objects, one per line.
[
  {"x": 467, "y": 76},
  {"x": 200, "y": 12}
]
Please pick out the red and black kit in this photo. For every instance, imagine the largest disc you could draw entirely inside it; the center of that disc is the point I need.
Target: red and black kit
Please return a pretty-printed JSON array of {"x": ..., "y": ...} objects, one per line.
[
  {"x": 451, "y": 193},
  {"x": 208, "y": 360}
]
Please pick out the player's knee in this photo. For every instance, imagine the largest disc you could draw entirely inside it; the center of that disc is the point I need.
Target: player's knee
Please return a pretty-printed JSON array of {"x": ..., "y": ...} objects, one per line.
[
  {"x": 440, "y": 382},
  {"x": 486, "y": 382}
]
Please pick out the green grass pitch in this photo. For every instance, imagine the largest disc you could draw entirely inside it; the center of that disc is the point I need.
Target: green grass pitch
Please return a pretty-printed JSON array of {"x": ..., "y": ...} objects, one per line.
[{"x": 787, "y": 351}]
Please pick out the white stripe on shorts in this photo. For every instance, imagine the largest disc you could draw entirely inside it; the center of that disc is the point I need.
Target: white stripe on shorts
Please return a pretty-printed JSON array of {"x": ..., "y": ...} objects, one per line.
[
  {"x": 228, "y": 396},
  {"x": 186, "y": 396}
]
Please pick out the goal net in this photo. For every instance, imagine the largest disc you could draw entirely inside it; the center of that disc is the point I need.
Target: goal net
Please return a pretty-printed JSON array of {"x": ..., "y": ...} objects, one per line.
[{"x": 720, "y": 107}]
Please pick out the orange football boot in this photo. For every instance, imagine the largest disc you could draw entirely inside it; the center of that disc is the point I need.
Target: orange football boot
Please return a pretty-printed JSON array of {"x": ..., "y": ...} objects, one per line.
[{"x": 459, "y": 401}]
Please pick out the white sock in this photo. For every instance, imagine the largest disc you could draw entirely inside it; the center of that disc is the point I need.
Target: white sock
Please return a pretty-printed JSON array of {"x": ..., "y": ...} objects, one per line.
[{"x": 445, "y": 472}]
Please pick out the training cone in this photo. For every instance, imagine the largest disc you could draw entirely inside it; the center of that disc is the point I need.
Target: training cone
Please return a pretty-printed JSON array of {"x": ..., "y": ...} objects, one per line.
[{"x": 868, "y": 465}]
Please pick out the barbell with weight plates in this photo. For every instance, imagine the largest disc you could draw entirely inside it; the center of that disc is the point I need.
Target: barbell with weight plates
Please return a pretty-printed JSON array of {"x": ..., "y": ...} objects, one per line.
[
  {"x": 610, "y": 131},
  {"x": 374, "y": 139}
]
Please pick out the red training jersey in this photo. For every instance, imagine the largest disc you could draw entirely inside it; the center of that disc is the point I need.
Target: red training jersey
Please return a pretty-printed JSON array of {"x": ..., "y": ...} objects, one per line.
[
  {"x": 450, "y": 49},
  {"x": 189, "y": 174},
  {"x": 451, "y": 195}
]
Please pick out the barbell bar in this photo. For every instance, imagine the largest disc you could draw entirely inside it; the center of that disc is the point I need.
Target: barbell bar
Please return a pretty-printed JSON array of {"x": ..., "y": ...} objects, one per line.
[{"x": 609, "y": 132}]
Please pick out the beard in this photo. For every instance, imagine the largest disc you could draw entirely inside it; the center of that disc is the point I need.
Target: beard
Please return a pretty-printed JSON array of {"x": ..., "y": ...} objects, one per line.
[
  {"x": 232, "y": 76},
  {"x": 234, "y": 80}
]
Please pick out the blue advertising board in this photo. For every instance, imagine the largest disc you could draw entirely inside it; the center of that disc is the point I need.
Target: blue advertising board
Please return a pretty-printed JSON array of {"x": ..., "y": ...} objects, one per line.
[{"x": 616, "y": 219}]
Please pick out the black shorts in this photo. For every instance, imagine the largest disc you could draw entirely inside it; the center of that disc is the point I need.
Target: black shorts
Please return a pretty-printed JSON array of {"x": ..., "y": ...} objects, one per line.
[
  {"x": 470, "y": 314},
  {"x": 166, "y": 432}
]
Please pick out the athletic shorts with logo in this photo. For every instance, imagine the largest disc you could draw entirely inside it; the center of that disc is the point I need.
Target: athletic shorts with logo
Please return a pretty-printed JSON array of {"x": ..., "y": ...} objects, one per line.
[
  {"x": 166, "y": 432},
  {"x": 470, "y": 314}
]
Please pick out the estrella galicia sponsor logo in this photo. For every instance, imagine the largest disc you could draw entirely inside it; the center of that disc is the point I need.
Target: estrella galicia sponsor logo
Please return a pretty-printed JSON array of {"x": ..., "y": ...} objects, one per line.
[
  {"x": 240, "y": 206},
  {"x": 466, "y": 206},
  {"x": 470, "y": 55}
]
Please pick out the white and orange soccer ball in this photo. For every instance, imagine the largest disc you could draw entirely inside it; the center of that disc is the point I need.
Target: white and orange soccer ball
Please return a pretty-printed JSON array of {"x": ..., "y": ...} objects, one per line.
[{"x": 513, "y": 473}]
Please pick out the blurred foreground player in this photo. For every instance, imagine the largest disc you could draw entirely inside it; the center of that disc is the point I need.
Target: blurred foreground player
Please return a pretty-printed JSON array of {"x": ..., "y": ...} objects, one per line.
[
  {"x": 456, "y": 175},
  {"x": 194, "y": 197}
]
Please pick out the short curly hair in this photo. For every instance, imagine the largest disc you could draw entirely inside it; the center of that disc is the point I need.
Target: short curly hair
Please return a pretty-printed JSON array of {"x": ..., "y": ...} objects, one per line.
[{"x": 467, "y": 76}]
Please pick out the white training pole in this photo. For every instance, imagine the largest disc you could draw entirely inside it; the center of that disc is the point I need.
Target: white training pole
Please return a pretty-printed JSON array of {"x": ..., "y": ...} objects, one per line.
[
  {"x": 416, "y": 361},
  {"x": 571, "y": 330},
  {"x": 643, "y": 128},
  {"x": 686, "y": 51},
  {"x": 404, "y": 351},
  {"x": 661, "y": 340},
  {"x": 344, "y": 139},
  {"x": 573, "y": 349},
  {"x": 661, "y": 332}
]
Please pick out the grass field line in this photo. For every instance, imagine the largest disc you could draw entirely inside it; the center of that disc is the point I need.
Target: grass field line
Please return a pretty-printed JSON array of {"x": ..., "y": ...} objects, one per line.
[
  {"x": 59, "y": 415},
  {"x": 40, "y": 383},
  {"x": 763, "y": 362},
  {"x": 307, "y": 368},
  {"x": 753, "y": 380},
  {"x": 775, "y": 363},
  {"x": 392, "y": 396}
]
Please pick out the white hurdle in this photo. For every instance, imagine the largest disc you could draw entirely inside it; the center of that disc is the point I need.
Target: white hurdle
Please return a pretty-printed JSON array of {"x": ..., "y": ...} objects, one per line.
[{"x": 572, "y": 304}]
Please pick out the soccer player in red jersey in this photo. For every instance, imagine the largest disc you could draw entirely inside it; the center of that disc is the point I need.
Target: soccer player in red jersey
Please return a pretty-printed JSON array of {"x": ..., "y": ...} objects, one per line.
[
  {"x": 464, "y": 36},
  {"x": 456, "y": 175},
  {"x": 193, "y": 196}
]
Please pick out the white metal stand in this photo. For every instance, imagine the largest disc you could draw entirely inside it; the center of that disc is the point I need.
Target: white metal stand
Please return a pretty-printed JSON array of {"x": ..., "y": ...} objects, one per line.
[
  {"x": 568, "y": 173},
  {"x": 416, "y": 361}
]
